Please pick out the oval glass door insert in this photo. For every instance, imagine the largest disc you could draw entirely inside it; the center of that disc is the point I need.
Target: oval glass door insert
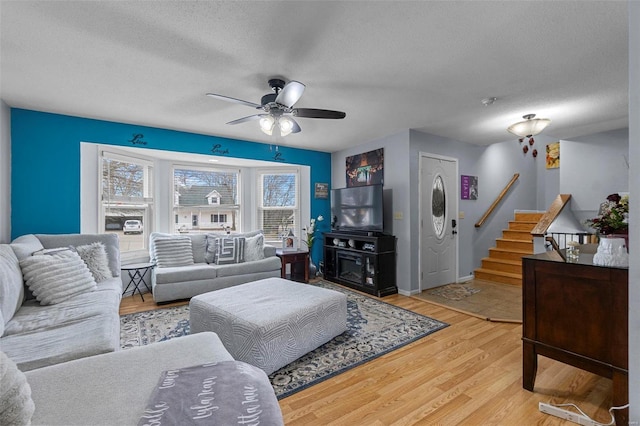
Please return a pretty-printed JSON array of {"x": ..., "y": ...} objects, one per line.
[{"x": 438, "y": 206}]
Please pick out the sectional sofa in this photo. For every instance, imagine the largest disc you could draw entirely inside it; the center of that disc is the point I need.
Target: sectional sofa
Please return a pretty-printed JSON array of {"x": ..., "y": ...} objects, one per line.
[
  {"x": 191, "y": 264},
  {"x": 73, "y": 315},
  {"x": 60, "y": 362}
]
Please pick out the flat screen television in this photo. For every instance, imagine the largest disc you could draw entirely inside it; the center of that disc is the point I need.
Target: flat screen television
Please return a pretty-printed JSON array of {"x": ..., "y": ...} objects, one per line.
[{"x": 359, "y": 208}]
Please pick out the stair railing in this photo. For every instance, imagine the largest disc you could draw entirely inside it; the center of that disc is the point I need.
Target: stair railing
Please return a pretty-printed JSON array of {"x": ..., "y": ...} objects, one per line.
[
  {"x": 547, "y": 219},
  {"x": 493, "y": 206},
  {"x": 543, "y": 240}
]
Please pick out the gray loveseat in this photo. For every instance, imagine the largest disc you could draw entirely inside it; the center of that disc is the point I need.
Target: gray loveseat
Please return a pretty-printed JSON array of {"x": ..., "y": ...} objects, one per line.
[
  {"x": 78, "y": 323},
  {"x": 192, "y": 264}
]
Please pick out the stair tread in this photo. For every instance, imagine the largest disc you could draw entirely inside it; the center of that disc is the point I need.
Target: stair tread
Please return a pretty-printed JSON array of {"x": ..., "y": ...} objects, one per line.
[
  {"x": 505, "y": 261},
  {"x": 510, "y": 250},
  {"x": 501, "y": 273}
]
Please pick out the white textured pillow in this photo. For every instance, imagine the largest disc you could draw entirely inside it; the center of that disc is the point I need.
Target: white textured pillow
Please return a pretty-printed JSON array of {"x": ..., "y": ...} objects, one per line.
[
  {"x": 173, "y": 251},
  {"x": 253, "y": 248},
  {"x": 229, "y": 250},
  {"x": 56, "y": 277},
  {"x": 16, "y": 404},
  {"x": 95, "y": 256}
]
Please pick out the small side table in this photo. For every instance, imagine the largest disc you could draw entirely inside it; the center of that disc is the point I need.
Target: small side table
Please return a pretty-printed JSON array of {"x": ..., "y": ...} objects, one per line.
[
  {"x": 299, "y": 265},
  {"x": 136, "y": 273}
]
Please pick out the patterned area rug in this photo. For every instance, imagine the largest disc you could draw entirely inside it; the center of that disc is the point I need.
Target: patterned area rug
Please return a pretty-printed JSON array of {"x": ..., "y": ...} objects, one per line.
[
  {"x": 374, "y": 328},
  {"x": 454, "y": 291},
  {"x": 482, "y": 299}
]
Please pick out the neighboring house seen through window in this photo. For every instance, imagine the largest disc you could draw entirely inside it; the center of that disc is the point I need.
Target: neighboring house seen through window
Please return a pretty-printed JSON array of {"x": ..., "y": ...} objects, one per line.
[{"x": 206, "y": 199}]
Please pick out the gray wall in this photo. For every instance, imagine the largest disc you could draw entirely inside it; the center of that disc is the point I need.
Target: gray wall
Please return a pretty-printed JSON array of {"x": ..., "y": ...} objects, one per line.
[
  {"x": 580, "y": 174},
  {"x": 397, "y": 195},
  {"x": 593, "y": 167},
  {"x": 5, "y": 173},
  {"x": 634, "y": 208}
]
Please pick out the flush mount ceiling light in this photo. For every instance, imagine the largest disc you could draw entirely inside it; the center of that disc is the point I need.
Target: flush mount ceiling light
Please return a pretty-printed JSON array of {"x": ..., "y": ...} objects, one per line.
[{"x": 529, "y": 127}]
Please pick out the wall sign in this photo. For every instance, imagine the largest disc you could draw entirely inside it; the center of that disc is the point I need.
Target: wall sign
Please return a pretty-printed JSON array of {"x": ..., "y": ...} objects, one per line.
[
  {"x": 322, "y": 190},
  {"x": 217, "y": 149},
  {"x": 468, "y": 187},
  {"x": 137, "y": 139}
]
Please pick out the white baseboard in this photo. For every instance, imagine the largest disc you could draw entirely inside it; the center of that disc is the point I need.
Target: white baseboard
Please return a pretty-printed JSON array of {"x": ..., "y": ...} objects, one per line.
[{"x": 465, "y": 279}]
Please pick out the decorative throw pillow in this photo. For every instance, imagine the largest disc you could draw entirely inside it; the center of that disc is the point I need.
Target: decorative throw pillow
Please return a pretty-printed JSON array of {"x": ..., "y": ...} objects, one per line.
[
  {"x": 229, "y": 250},
  {"x": 210, "y": 255},
  {"x": 56, "y": 277},
  {"x": 253, "y": 248},
  {"x": 173, "y": 251},
  {"x": 16, "y": 404},
  {"x": 95, "y": 256}
]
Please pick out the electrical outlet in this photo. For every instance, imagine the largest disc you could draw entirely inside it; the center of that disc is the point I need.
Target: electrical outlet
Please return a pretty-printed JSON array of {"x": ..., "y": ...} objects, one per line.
[{"x": 566, "y": 414}]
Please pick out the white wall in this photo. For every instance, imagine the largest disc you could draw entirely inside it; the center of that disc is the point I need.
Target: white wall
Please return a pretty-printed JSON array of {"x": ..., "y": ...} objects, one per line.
[
  {"x": 634, "y": 207},
  {"x": 5, "y": 173}
]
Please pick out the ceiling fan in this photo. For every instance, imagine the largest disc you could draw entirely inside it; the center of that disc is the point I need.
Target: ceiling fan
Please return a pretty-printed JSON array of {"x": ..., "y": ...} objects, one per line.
[{"x": 278, "y": 108}]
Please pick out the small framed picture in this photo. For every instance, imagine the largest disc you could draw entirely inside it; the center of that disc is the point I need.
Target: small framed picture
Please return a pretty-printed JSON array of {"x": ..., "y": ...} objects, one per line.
[
  {"x": 322, "y": 190},
  {"x": 289, "y": 243}
]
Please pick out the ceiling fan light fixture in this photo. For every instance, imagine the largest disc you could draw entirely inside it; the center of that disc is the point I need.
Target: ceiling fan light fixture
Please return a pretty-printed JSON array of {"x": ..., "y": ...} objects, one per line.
[
  {"x": 529, "y": 127},
  {"x": 286, "y": 126},
  {"x": 267, "y": 123}
]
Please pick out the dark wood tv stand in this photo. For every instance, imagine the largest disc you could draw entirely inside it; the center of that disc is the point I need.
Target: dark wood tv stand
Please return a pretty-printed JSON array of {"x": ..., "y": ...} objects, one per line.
[
  {"x": 361, "y": 261},
  {"x": 577, "y": 313}
]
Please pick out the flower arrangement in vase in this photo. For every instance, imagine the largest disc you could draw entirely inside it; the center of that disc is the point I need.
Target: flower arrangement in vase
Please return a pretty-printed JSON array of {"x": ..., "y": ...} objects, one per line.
[
  {"x": 311, "y": 230},
  {"x": 613, "y": 216}
]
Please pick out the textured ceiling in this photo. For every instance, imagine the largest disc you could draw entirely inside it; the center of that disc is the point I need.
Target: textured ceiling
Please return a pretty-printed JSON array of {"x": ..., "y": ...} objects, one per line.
[{"x": 389, "y": 65}]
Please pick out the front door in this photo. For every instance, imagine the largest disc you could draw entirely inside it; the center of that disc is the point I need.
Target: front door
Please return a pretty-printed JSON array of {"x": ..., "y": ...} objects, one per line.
[{"x": 438, "y": 232}]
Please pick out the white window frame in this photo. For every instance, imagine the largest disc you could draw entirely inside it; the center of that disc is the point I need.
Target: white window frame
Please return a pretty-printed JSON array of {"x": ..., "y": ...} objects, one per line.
[
  {"x": 145, "y": 203},
  {"x": 296, "y": 227}
]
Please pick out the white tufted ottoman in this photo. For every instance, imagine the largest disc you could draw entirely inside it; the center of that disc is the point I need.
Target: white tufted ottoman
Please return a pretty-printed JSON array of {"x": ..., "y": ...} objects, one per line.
[{"x": 272, "y": 322}]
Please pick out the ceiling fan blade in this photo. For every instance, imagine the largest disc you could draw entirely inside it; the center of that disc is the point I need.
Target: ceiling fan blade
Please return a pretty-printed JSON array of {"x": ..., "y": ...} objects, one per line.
[
  {"x": 290, "y": 93},
  {"x": 318, "y": 113},
  {"x": 245, "y": 119},
  {"x": 234, "y": 100}
]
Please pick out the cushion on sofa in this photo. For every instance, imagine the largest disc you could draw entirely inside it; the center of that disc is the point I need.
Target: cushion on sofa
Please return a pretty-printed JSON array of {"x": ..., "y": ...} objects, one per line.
[
  {"x": 26, "y": 245},
  {"x": 198, "y": 271},
  {"x": 173, "y": 251},
  {"x": 110, "y": 241},
  {"x": 56, "y": 277},
  {"x": 16, "y": 404},
  {"x": 11, "y": 287},
  {"x": 94, "y": 256},
  {"x": 210, "y": 256},
  {"x": 229, "y": 250},
  {"x": 249, "y": 268},
  {"x": 254, "y": 248}
]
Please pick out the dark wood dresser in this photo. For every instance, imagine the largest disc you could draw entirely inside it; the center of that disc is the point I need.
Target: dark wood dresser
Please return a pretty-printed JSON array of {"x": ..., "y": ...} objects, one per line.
[{"x": 577, "y": 313}]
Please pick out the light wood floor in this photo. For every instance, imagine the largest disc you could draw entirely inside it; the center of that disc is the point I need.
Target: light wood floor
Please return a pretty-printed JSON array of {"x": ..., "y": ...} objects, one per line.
[{"x": 469, "y": 373}]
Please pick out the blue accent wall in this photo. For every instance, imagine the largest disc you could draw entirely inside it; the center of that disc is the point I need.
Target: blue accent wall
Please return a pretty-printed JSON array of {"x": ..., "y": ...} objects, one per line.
[{"x": 45, "y": 164}]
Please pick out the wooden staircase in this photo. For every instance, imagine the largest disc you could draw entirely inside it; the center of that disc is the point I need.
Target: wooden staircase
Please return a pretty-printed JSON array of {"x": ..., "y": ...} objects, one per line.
[{"x": 504, "y": 264}]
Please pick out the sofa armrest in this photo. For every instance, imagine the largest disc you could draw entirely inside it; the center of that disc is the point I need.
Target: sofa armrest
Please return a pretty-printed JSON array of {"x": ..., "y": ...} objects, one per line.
[{"x": 269, "y": 251}]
